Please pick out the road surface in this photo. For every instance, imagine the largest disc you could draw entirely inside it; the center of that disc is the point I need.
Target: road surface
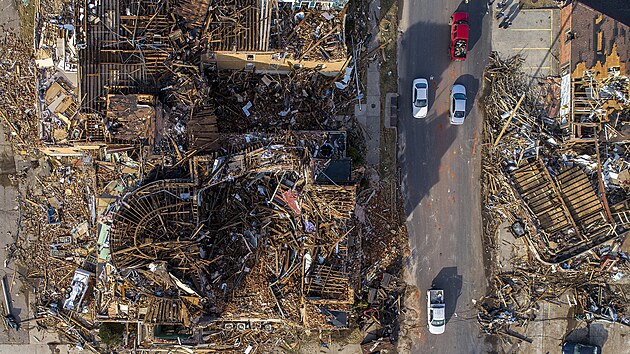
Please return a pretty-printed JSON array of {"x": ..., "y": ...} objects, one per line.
[{"x": 440, "y": 168}]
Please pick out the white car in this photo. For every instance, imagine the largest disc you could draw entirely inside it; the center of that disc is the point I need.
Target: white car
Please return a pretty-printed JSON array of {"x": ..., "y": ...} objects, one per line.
[
  {"x": 436, "y": 308},
  {"x": 420, "y": 98},
  {"x": 458, "y": 104}
]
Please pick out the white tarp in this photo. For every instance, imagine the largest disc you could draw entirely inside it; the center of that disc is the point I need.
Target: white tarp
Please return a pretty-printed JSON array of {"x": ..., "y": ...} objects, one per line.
[{"x": 565, "y": 98}]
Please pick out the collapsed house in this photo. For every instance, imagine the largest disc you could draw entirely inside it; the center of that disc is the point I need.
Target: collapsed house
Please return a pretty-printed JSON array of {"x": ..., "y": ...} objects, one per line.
[
  {"x": 195, "y": 65},
  {"x": 248, "y": 238},
  {"x": 593, "y": 56},
  {"x": 564, "y": 189},
  {"x": 239, "y": 246},
  {"x": 563, "y": 142},
  {"x": 267, "y": 36}
]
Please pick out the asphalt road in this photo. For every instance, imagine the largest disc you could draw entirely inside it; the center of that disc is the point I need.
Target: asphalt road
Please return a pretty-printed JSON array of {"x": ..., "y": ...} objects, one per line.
[{"x": 440, "y": 168}]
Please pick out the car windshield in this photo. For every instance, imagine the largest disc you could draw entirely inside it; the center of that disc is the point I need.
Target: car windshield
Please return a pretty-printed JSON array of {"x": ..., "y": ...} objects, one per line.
[
  {"x": 437, "y": 323},
  {"x": 421, "y": 85},
  {"x": 421, "y": 103},
  {"x": 459, "y": 114},
  {"x": 459, "y": 96}
]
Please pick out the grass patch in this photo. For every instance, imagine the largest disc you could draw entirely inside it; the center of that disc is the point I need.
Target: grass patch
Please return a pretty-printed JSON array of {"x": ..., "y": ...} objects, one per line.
[
  {"x": 27, "y": 19},
  {"x": 388, "y": 33},
  {"x": 111, "y": 333},
  {"x": 355, "y": 155},
  {"x": 387, "y": 168}
]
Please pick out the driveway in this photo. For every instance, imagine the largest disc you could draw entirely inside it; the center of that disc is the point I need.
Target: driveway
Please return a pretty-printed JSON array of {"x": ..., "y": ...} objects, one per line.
[{"x": 440, "y": 167}]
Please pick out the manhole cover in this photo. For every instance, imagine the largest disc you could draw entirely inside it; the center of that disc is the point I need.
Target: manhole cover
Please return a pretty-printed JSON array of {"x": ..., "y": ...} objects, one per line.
[{"x": 373, "y": 105}]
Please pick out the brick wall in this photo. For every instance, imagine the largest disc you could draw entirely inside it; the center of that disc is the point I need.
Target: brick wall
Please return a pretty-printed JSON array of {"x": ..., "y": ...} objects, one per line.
[{"x": 566, "y": 18}]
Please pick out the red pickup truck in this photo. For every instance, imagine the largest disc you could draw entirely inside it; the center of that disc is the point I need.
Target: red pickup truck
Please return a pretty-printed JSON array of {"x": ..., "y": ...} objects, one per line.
[{"x": 459, "y": 36}]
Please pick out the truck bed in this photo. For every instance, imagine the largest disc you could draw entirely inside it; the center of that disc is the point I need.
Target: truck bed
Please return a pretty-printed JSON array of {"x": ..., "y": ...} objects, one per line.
[
  {"x": 460, "y": 48},
  {"x": 436, "y": 297}
]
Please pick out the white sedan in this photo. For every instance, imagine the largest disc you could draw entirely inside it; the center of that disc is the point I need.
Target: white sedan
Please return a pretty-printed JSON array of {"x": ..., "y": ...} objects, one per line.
[
  {"x": 458, "y": 104},
  {"x": 420, "y": 98}
]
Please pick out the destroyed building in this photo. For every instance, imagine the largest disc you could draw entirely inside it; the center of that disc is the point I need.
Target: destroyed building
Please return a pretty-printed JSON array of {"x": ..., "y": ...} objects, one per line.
[
  {"x": 571, "y": 186},
  {"x": 172, "y": 57},
  {"x": 594, "y": 51},
  {"x": 243, "y": 239},
  {"x": 590, "y": 30},
  {"x": 562, "y": 141},
  {"x": 561, "y": 188},
  {"x": 186, "y": 210},
  {"x": 268, "y": 36}
]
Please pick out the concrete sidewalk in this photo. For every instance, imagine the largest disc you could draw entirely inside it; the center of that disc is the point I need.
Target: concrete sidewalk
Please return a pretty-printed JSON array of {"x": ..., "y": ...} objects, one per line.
[
  {"x": 9, "y": 16},
  {"x": 369, "y": 113}
]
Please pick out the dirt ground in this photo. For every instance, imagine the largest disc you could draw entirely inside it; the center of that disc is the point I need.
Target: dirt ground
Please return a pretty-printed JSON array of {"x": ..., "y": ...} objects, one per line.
[
  {"x": 347, "y": 343},
  {"x": 538, "y": 4}
]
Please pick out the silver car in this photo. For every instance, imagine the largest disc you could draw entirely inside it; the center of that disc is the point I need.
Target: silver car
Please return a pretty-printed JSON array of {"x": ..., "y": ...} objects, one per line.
[
  {"x": 458, "y": 104},
  {"x": 420, "y": 98}
]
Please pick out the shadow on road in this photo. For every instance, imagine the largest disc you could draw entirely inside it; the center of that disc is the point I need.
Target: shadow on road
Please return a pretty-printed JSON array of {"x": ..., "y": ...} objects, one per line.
[
  {"x": 472, "y": 88},
  {"x": 591, "y": 334},
  {"x": 423, "y": 142},
  {"x": 476, "y": 12},
  {"x": 451, "y": 282},
  {"x": 423, "y": 160}
]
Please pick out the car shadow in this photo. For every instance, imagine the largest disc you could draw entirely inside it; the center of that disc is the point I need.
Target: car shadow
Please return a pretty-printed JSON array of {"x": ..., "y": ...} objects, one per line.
[
  {"x": 451, "y": 282},
  {"x": 592, "y": 334},
  {"x": 423, "y": 141},
  {"x": 472, "y": 88}
]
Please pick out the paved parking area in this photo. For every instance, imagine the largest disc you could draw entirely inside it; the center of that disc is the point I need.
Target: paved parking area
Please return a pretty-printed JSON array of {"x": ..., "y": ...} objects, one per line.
[{"x": 533, "y": 34}]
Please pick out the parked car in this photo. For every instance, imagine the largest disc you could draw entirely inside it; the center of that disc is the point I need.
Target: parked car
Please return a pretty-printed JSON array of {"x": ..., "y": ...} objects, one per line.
[
  {"x": 458, "y": 47},
  {"x": 420, "y": 98},
  {"x": 578, "y": 348},
  {"x": 458, "y": 104},
  {"x": 436, "y": 311}
]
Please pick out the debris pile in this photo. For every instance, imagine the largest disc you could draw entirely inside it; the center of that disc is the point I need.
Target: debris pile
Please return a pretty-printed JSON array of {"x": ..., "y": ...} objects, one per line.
[
  {"x": 315, "y": 34},
  {"x": 381, "y": 299},
  {"x": 536, "y": 172},
  {"x": 254, "y": 237},
  {"x": 18, "y": 109},
  {"x": 556, "y": 176},
  {"x": 57, "y": 60},
  {"x": 594, "y": 295},
  {"x": 301, "y": 100},
  {"x": 56, "y": 242}
]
